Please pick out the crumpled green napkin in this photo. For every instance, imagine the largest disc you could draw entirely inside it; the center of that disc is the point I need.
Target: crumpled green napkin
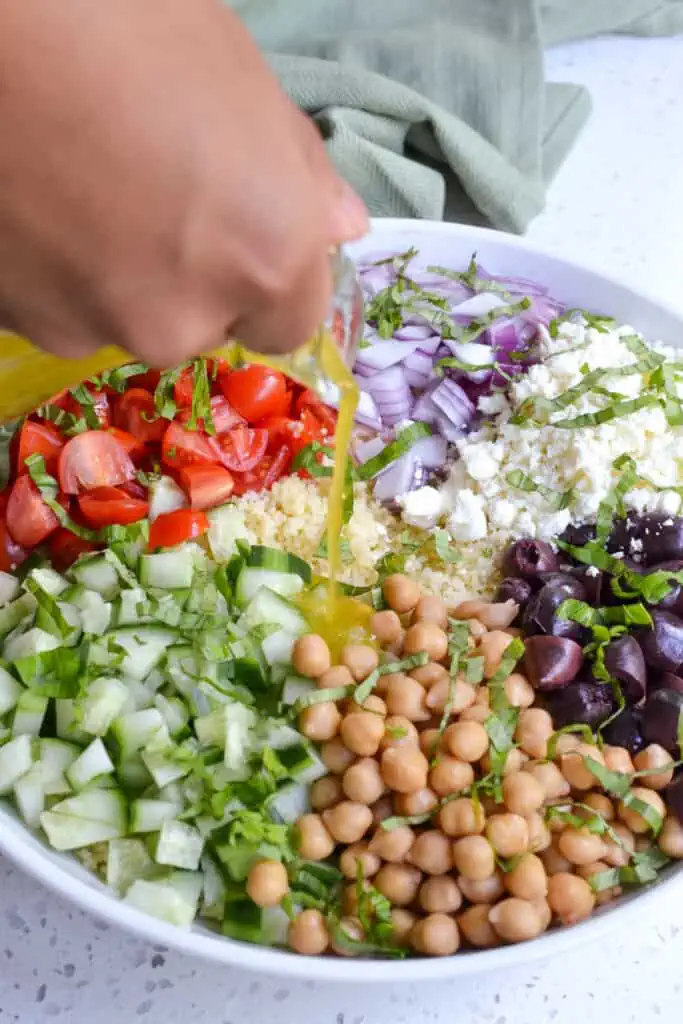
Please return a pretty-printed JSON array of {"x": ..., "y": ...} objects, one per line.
[{"x": 439, "y": 108}]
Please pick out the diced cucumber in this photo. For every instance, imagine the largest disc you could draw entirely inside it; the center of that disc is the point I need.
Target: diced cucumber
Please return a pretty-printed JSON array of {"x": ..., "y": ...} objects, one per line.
[
  {"x": 149, "y": 815},
  {"x": 96, "y": 573},
  {"x": 127, "y": 861},
  {"x": 68, "y": 721},
  {"x": 277, "y": 735},
  {"x": 29, "y": 714},
  {"x": 135, "y": 730},
  {"x": 144, "y": 648},
  {"x": 9, "y": 588},
  {"x": 242, "y": 920},
  {"x": 274, "y": 926},
  {"x": 133, "y": 776},
  {"x": 33, "y": 641},
  {"x": 72, "y": 617},
  {"x": 131, "y": 607},
  {"x": 165, "y": 496},
  {"x": 175, "y": 714},
  {"x": 92, "y": 763},
  {"x": 168, "y": 570},
  {"x": 10, "y": 691},
  {"x": 295, "y": 687},
  {"x": 103, "y": 702},
  {"x": 250, "y": 581},
  {"x": 179, "y": 845},
  {"x": 173, "y": 899},
  {"x": 267, "y": 606},
  {"x": 213, "y": 889},
  {"x": 16, "y": 758},
  {"x": 55, "y": 757},
  {"x": 227, "y": 525},
  {"x": 29, "y": 796},
  {"x": 95, "y": 611},
  {"x": 16, "y": 613},
  {"x": 163, "y": 766},
  {"x": 276, "y": 560},
  {"x": 49, "y": 580},
  {"x": 290, "y": 802},
  {"x": 94, "y": 816},
  {"x": 277, "y": 647}
]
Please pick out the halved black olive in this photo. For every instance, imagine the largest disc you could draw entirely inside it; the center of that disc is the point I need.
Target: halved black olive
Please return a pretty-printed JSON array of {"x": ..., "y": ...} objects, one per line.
[
  {"x": 586, "y": 703},
  {"x": 594, "y": 582},
  {"x": 661, "y": 716},
  {"x": 551, "y": 661},
  {"x": 657, "y": 536},
  {"x": 665, "y": 681},
  {"x": 626, "y": 731},
  {"x": 578, "y": 536},
  {"x": 540, "y": 615},
  {"x": 662, "y": 643},
  {"x": 530, "y": 558},
  {"x": 514, "y": 588},
  {"x": 625, "y": 662},
  {"x": 673, "y": 601}
]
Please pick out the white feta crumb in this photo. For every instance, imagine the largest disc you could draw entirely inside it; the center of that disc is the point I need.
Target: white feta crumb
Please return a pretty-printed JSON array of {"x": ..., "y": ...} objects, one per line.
[
  {"x": 468, "y": 519},
  {"x": 636, "y": 545},
  {"x": 669, "y": 503},
  {"x": 592, "y": 570},
  {"x": 422, "y": 507},
  {"x": 503, "y": 513}
]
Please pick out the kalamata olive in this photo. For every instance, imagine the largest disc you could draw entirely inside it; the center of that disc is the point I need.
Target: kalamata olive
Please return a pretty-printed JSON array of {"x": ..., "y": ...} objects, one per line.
[
  {"x": 587, "y": 703},
  {"x": 660, "y": 719},
  {"x": 514, "y": 588},
  {"x": 540, "y": 615},
  {"x": 577, "y": 536},
  {"x": 662, "y": 643},
  {"x": 594, "y": 583},
  {"x": 673, "y": 795},
  {"x": 665, "y": 681},
  {"x": 656, "y": 537},
  {"x": 625, "y": 662},
  {"x": 673, "y": 601},
  {"x": 529, "y": 558},
  {"x": 626, "y": 731},
  {"x": 551, "y": 661}
]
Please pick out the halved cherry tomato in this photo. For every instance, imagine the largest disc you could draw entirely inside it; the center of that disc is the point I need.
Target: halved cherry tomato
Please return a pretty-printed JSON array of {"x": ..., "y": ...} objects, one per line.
[
  {"x": 243, "y": 448},
  {"x": 93, "y": 459},
  {"x": 135, "y": 448},
  {"x": 136, "y": 413},
  {"x": 101, "y": 404},
  {"x": 134, "y": 490},
  {"x": 29, "y": 519},
  {"x": 323, "y": 413},
  {"x": 180, "y": 447},
  {"x": 256, "y": 391},
  {"x": 184, "y": 386},
  {"x": 105, "y": 506},
  {"x": 222, "y": 413},
  {"x": 311, "y": 429},
  {"x": 39, "y": 439},
  {"x": 281, "y": 430},
  {"x": 270, "y": 469},
  {"x": 171, "y": 528},
  {"x": 11, "y": 553},
  {"x": 147, "y": 381},
  {"x": 277, "y": 467},
  {"x": 66, "y": 547},
  {"x": 206, "y": 486}
]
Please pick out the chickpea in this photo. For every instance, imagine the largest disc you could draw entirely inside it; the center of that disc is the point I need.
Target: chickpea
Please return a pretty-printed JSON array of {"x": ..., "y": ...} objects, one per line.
[
  {"x": 311, "y": 656},
  {"x": 440, "y": 895},
  {"x": 422, "y": 801},
  {"x": 435, "y": 935},
  {"x": 475, "y": 713},
  {"x": 360, "y": 659},
  {"x": 362, "y": 732},
  {"x": 392, "y": 845},
  {"x": 426, "y": 636},
  {"x": 473, "y": 857},
  {"x": 399, "y": 732},
  {"x": 430, "y": 742},
  {"x": 363, "y": 781},
  {"x": 487, "y": 890},
  {"x": 499, "y": 615},
  {"x": 469, "y": 609},
  {"x": 334, "y": 677},
  {"x": 570, "y": 898},
  {"x": 467, "y": 741},
  {"x": 406, "y": 697},
  {"x": 618, "y": 854},
  {"x": 398, "y": 882},
  {"x": 351, "y": 929},
  {"x": 427, "y": 675},
  {"x": 539, "y": 834},
  {"x": 382, "y": 809},
  {"x": 404, "y": 769},
  {"x": 314, "y": 840},
  {"x": 550, "y": 779},
  {"x": 631, "y": 818},
  {"x": 450, "y": 775},
  {"x": 483, "y": 697},
  {"x": 431, "y": 609},
  {"x": 431, "y": 852},
  {"x": 462, "y": 817},
  {"x": 348, "y": 821},
  {"x": 320, "y": 722},
  {"x": 580, "y": 846},
  {"x": 355, "y": 855},
  {"x": 508, "y": 834},
  {"x": 493, "y": 646},
  {"x": 553, "y": 861},
  {"x": 516, "y": 920},
  {"x": 519, "y": 691},
  {"x": 402, "y": 922},
  {"x": 534, "y": 729},
  {"x": 459, "y": 697},
  {"x": 522, "y": 793},
  {"x": 527, "y": 879},
  {"x": 401, "y": 593},
  {"x": 350, "y": 897},
  {"x": 599, "y": 803},
  {"x": 566, "y": 743},
  {"x": 386, "y": 626},
  {"x": 476, "y": 628},
  {"x": 475, "y": 926},
  {"x": 596, "y": 867},
  {"x": 574, "y": 767},
  {"x": 336, "y": 757},
  {"x": 618, "y": 759},
  {"x": 307, "y": 933},
  {"x": 326, "y": 792},
  {"x": 653, "y": 757},
  {"x": 671, "y": 838},
  {"x": 267, "y": 883},
  {"x": 374, "y": 704},
  {"x": 514, "y": 762}
]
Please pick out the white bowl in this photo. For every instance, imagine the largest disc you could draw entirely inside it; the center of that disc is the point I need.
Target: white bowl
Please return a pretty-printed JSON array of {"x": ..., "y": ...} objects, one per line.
[{"x": 451, "y": 245}]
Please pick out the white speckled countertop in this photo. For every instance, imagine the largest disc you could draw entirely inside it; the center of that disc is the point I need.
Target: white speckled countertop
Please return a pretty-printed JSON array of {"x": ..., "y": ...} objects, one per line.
[{"x": 617, "y": 205}]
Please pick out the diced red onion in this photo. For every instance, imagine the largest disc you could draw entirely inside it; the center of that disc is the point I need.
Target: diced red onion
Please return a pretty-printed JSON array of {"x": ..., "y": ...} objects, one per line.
[
  {"x": 398, "y": 478},
  {"x": 416, "y": 380},
  {"x": 419, "y": 361},
  {"x": 453, "y": 402},
  {"x": 430, "y": 451},
  {"x": 479, "y": 305},
  {"x": 416, "y": 332},
  {"x": 391, "y": 379},
  {"x": 384, "y": 354},
  {"x": 364, "y": 450}
]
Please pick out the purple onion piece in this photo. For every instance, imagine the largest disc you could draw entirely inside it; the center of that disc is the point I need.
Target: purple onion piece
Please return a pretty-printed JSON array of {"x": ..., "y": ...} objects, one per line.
[
  {"x": 399, "y": 478},
  {"x": 551, "y": 662},
  {"x": 625, "y": 662}
]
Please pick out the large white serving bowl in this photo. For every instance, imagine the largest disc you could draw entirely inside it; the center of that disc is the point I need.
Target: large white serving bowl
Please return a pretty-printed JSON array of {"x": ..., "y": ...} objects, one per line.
[{"x": 451, "y": 245}]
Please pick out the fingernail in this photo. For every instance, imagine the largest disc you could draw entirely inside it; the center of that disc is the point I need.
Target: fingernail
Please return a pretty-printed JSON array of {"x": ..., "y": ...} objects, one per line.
[{"x": 352, "y": 216}]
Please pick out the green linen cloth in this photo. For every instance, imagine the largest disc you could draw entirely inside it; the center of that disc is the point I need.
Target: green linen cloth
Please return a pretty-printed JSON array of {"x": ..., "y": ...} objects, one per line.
[{"x": 439, "y": 108}]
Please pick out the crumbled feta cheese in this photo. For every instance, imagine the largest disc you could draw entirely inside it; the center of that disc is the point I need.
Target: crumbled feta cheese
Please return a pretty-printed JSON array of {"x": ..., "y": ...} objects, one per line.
[
  {"x": 592, "y": 570},
  {"x": 636, "y": 545},
  {"x": 468, "y": 519},
  {"x": 422, "y": 507},
  {"x": 503, "y": 513}
]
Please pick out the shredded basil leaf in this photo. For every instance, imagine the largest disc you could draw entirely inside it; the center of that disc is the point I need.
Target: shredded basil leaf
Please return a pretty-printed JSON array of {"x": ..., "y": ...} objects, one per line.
[
  {"x": 118, "y": 377},
  {"x": 615, "y": 783},
  {"x": 7, "y": 434}
]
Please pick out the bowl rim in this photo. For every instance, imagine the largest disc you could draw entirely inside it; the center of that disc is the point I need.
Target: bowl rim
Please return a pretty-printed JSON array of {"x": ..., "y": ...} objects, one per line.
[{"x": 20, "y": 845}]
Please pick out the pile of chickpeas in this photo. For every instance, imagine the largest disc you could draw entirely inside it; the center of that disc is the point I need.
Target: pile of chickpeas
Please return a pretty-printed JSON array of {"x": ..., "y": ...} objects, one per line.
[{"x": 478, "y": 873}]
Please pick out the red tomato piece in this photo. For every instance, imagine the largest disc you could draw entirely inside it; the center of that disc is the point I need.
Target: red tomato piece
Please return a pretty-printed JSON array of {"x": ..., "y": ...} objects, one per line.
[
  {"x": 180, "y": 447},
  {"x": 101, "y": 404},
  {"x": 325, "y": 415},
  {"x": 135, "y": 490},
  {"x": 173, "y": 528},
  {"x": 93, "y": 459},
  {"x": 243, "y": 448},
  {"x": 277, "y": 467},
  {"x": 11, "y": 553},
  {"x": 257, "y": 391},
  {"x": 206, "y": 486},
  {"x": 183, "y": 387},
  {"x": 106, "y": 506},
  {"x": 281, "y": 430},
  {"x": 269, "y": 469},
  {"x": 147, "y": 381},
  {"x": 135, "y": 448},
  {"x": 29, "y": 519},
  {"x": 222, "y": 413},
  {"x": 65, "y": 547},
  {"x": 39, "y": 439},
  {"x": 136, "y": 413}
]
